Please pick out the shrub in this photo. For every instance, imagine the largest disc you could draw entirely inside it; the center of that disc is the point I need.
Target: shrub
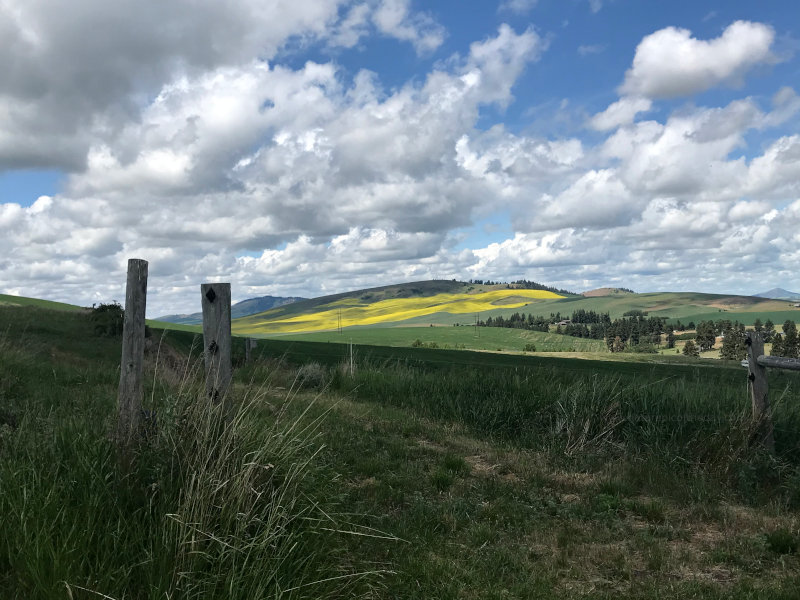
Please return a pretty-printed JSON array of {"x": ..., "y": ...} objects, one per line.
[
  {"x": 420, "y": 344},
  {"x": 108, "y": 319},
  {"x": 312, "y": 375},
  {"x": 757, "y": 475},
  {"x": 782, "y": 541}
]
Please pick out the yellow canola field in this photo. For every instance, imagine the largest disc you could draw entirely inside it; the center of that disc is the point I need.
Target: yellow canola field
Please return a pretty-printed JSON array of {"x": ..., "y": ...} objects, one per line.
[{"x": 351, "y": 312}]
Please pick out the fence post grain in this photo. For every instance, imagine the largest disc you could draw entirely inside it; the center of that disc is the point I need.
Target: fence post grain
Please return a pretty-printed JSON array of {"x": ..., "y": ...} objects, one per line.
[
  {"x": 216, "y": 301},
  {"x": 249, "y": 346},
  {"x": 129, "y": 403},
  {"x": 757, "y": 382}
]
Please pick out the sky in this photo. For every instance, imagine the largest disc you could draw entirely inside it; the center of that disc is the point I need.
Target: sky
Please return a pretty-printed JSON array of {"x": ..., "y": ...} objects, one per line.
[{"x": 310, "y": 147}]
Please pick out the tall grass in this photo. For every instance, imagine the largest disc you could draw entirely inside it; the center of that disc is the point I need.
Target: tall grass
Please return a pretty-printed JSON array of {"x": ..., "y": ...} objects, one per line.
[
  {"x": 684, "y": 423},
  {"x": 240, "y": 511}
]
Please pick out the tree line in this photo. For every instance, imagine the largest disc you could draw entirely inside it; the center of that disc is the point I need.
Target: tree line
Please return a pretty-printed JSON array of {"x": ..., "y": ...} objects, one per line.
[
  {"x": 638, "y": 332},
  {"x": 577, "y": 328},
  {"x": 524, "y": 284},
  {"x": 734, "y": 338}
]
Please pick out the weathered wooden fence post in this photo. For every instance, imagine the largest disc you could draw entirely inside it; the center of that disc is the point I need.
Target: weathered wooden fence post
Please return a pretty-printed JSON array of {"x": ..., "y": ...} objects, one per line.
[
  {"x": 757, "y": 378},
  {"x": 216, "y": 300},
  {"x": 129, "y": 403},
  {"x": 249, "y": 346}
]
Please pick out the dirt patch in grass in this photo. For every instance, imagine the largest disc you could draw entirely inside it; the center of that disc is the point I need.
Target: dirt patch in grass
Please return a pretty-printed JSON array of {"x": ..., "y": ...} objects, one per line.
[
  {"x": 713, "y": 574},
  {"x": 366, "y": 482},
  {"x": 433, "y": 446},
  {"x": 574, "y": 482},
  {"x": 481, "y": 465},
  {"x": 746, "y": 519}
]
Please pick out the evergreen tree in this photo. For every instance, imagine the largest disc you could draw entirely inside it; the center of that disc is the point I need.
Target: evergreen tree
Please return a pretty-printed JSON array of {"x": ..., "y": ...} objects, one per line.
[
  {"x": 769, "y": 331},
  {"x": 777, "y": 345},
  {"x": 670, "y": 337},
  {"x": 791, "y": 345},
  {"x": 733, "y": 344},
  {"x": 691, "y": 349},
  {"x": 706, "y": 335}
]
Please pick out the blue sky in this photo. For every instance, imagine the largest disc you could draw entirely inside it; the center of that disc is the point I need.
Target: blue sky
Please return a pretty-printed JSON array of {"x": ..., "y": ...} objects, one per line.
[
  {"x": 24, "y": 186},
  {"x": 327, "y": 145}
]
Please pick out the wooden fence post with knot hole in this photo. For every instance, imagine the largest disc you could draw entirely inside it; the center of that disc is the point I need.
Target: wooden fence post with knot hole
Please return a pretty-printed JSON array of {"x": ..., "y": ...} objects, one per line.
[
  {"x": 129, "y": 402},
  {"x": 757, "y": 383},
  {"x": 216, "y": 301}
]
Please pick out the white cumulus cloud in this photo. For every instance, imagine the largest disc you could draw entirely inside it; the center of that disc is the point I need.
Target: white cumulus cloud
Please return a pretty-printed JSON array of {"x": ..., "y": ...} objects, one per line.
[{"x": 670, "y": 62}]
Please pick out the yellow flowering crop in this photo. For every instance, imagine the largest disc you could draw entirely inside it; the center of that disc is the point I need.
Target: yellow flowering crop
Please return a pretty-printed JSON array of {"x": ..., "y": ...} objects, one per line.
[{"x": 352, "y": 312}]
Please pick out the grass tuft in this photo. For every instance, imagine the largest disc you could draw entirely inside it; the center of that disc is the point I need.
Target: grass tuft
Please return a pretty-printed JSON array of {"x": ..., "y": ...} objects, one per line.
[{"x": 214, "y": 506}]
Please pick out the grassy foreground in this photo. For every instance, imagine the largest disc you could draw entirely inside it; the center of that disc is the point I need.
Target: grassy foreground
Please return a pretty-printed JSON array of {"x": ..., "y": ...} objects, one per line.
[
  {"x": 245, "y": 513},
  {"x": 548, "y": 483},
  {"x": 417, "y": 474}
]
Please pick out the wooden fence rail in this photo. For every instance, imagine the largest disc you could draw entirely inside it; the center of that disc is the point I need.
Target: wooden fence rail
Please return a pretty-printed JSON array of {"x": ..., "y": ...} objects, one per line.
[{"x": 778, "y": 362}]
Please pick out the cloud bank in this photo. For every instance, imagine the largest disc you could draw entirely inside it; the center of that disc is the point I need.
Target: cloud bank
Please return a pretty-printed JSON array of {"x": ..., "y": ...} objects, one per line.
[{"x": 189, "y": 141}]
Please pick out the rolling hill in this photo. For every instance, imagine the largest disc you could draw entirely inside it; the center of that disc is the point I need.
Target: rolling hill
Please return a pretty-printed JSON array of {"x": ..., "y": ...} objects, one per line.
[
  {"x": 9, "y": 300},
  {"x": 382, "y": 306},
  {"x": 450, "y": 303}
]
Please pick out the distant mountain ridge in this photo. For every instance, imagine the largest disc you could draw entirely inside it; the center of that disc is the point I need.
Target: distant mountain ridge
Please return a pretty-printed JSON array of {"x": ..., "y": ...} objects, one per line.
[
  {"x": 778, "y": 294},
  {"x": 244, "y": 308}
]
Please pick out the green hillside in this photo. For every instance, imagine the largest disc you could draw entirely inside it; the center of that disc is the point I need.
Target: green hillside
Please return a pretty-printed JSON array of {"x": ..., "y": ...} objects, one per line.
[
  {"x": 391, "y": 304},
  {"x": 686, "y": 306},
  {"x": 404, "y": 290},
  {"x": 8, "y": 300}
]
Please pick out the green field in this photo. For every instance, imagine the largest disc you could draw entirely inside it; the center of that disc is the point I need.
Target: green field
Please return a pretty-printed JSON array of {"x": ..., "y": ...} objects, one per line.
[
  {"x": 481, "y": 338},
  {"x": 331, "y": 355},
  {"x": 163, "y": 325},
  {"x": 408, "y": 473}
]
